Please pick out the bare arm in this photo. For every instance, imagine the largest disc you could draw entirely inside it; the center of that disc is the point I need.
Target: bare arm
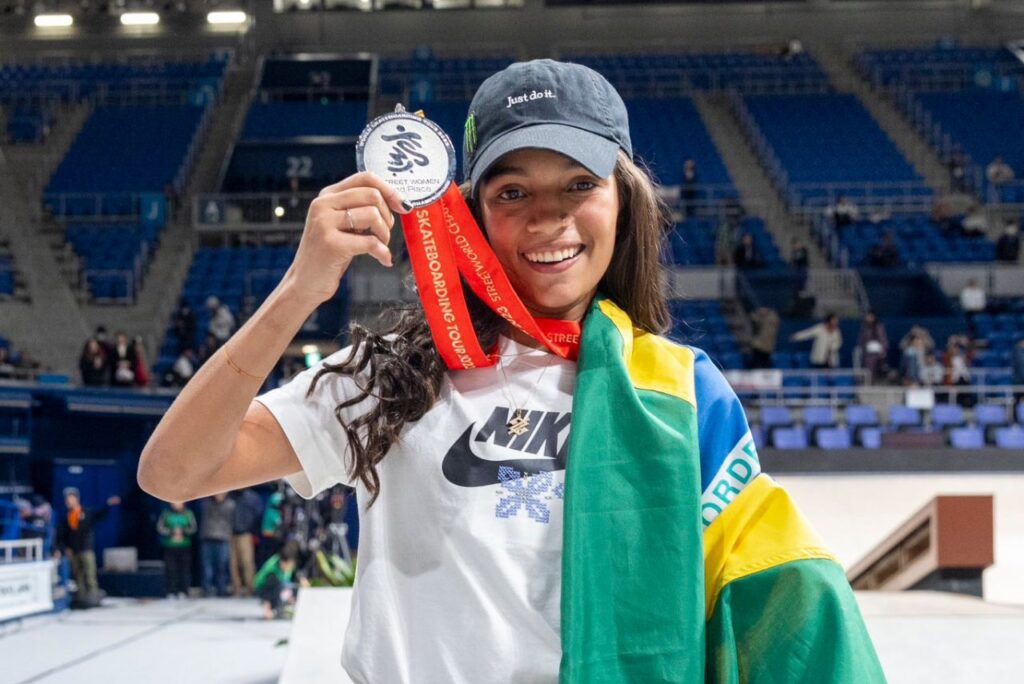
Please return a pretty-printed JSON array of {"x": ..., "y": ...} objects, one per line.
[{"x": 215, "y": 438}]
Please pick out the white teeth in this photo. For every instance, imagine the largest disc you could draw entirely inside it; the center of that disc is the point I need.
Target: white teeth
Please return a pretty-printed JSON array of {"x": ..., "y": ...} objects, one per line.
[{"x": 554, "y": 257}]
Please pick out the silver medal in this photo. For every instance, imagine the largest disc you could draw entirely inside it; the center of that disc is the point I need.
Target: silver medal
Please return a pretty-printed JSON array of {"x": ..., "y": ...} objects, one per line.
[{"x": 409, "y": 152}]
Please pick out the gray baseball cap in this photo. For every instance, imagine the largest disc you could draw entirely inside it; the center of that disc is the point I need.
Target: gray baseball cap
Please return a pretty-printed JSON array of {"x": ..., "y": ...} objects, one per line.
[{"x": 559, "y": 106}]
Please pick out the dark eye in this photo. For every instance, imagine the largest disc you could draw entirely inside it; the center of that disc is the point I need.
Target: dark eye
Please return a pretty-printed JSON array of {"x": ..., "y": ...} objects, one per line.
[
  {"x": 583, "y": 185},
  {"x": 510, "y": 194}
]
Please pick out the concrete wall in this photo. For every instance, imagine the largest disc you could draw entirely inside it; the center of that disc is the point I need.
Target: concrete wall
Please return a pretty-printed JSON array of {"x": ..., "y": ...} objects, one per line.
[{"x": 853, "y": 513}]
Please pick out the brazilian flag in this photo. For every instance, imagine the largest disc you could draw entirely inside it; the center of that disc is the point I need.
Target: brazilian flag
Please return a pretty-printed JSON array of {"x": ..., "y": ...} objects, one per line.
[{"x": 661, "y": 583}]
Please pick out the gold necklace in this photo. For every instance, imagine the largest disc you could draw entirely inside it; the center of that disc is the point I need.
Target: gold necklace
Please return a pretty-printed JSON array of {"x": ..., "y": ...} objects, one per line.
[{"x": 519, "y": 424}]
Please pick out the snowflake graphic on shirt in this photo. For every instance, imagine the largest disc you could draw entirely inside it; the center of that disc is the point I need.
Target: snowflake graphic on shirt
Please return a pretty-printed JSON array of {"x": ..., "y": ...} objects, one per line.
[{"x": 526, "y": 493}]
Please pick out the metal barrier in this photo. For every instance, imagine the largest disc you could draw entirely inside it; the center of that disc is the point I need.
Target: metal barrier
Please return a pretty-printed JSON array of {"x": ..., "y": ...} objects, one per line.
[
  {"x": 251, "y": 211},
  {"x": 21, "y": 551}
]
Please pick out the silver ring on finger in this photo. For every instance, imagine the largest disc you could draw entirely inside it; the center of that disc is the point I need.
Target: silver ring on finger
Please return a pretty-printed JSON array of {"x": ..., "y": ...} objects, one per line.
[{"x": 351, "y": 222}]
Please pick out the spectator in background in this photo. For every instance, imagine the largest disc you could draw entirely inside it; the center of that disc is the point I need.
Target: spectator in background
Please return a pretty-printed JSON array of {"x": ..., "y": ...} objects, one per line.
[
  {"x": 916, "y": 345},
  {"x": 998, "y": 172},
  {"x": 792, "y": 49},
  {"x": 957, "y": 362},
  {"x": 975, "y": 223},
  {"x": 932, "y": 373},
  {"x": 271, "y": 528},
  {"x": 7, "y": 369},
  {"x": 185, "y": 326},
  {"x": 122, "y": 362},
  {"x": 177, "y": 526},
  {"x": 746, "y": 255},
  {"x": 183, "y": 368},
  {"x": 274, "y": 585},
  {"x": 884, "y": 254},
  {"x": 688, "y": 190},
  {"x": 973, "y": 302},
  {"x": 1008, "y": 245},
  {"x": 76, "y": 537},
  {"x": 246, "y": 524},
  {"x": 216, "y": 518},
  {"x": 843, "y": 212},
  {"x": 765, "y": 337},
  {"x": 208, "y": 348},
  {"x": 958, "y": 170},
  {"x": 93, "y": 364},
  {"x": 827, "y": 340},
  {"x": 141, "y": 372},
  {"x": 873, "y": 344},
  {"x": 222, "y": 322}
]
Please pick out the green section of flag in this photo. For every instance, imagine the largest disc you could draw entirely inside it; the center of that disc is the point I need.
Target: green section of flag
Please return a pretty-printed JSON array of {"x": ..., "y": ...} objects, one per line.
[
  {"x": 796, "y": 622},
  {"x": 633, "y": 565}
]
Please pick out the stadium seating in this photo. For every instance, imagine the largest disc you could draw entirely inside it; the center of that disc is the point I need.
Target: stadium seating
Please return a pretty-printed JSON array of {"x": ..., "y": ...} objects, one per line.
[
  {"x": 127, "y": 80},
  {"x": 959, "y": 116},
  {"x": 917, "y": 239},
  {"x": 838, "y": 427},
  {"x": 143, "y": 149},
  {"x": 692, "y": 243},
  {"x": 702, "y": 324},
  {"x": 667, "y": 132},
  {"x": 428, "y": 78},
  {"x": 820, "y": 146},
  {"x": 6, "y": 276},
  {"x": 943, "y": 67},
  {"x": 651, "y": 74}
]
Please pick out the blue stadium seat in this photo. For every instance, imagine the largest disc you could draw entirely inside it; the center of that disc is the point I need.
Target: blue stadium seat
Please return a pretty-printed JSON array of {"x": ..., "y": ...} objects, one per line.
[
  {"x": 789, "y": 438},
  {"x": 947, "y": 416},
  {"x": 870, "y": 437},
  {"x": 901, "y": 417},
  {"x": 833, "y": 438},
  {"x": 1010, "y": 437},
  {"x": 775, "y": 416},
  {"x": 966, "y": 438},
  {"x": 819, "y": 416},
  {"x": 861, "y": 416}
]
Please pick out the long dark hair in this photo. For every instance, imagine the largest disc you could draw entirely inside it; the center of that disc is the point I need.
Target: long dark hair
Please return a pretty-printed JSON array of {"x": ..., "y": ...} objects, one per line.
[{"x": 400, "y": 367}]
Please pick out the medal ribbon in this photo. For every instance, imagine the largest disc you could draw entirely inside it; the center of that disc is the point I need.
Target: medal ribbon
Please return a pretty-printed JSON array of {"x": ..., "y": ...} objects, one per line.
[{"x": 445, "y": 241}]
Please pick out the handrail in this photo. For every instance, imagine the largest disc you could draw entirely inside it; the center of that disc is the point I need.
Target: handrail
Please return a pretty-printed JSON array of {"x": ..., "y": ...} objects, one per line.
[{"x": 21, "y": 551}]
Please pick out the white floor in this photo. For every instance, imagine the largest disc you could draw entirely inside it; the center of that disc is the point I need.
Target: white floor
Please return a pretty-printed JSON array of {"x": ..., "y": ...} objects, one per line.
[
  {"x": 921, "y": 637},
  {"x": 215, "y": 641}
]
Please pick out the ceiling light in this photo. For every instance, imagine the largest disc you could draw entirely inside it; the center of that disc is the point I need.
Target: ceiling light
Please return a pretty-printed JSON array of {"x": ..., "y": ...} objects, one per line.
[
  {"x": 140, "y": 18},
  {"x": 52, "y": 20},
  {"x": 226, "y": 17}
]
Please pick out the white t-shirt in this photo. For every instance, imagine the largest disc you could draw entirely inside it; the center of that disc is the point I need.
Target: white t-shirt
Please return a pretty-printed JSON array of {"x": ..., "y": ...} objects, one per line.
[
  {"x": 459, "y": 572},
  {"x": 460, "y": 558}
]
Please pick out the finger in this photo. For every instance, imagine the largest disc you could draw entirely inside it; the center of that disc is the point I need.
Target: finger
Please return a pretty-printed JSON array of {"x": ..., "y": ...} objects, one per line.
[
  {"x": 357, "y": 197},
  {"x": 368, "y": 244},
  {"x": 367, "y": 218},
  {"x": 366, "y": 178}
]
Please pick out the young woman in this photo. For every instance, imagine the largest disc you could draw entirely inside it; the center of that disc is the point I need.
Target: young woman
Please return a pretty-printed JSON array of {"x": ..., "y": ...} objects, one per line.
[{"x": 494, "y": 547}]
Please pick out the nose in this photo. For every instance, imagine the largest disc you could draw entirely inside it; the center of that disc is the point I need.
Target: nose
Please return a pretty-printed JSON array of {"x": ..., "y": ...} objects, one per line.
[{"x": 548, "y": 213}]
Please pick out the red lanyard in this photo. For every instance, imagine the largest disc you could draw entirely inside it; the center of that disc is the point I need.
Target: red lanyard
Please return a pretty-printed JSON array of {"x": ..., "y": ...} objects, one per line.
[{"x": 444, "y": 241}]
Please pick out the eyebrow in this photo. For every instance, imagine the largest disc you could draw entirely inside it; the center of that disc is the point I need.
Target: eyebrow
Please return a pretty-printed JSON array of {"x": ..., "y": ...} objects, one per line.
[{"x": 506, "y": 169}]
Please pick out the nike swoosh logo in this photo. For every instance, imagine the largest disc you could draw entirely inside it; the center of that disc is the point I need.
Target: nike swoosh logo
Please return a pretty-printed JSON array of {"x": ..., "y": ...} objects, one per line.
[{"x": 464, "y": 468}]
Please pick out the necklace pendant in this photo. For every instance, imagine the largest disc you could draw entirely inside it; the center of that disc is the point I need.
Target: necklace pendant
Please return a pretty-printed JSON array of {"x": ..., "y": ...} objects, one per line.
[{"x": 520, "y": 423}]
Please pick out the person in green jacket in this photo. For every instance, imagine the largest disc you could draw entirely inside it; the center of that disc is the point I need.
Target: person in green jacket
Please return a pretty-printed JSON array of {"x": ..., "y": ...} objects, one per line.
[
  {"x": 176, "y": 526},
  {"x": 274, "y": 583}
]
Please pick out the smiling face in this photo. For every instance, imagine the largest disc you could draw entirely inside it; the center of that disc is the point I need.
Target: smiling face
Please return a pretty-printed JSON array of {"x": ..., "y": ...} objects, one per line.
[{"x": 551, "y": 223}]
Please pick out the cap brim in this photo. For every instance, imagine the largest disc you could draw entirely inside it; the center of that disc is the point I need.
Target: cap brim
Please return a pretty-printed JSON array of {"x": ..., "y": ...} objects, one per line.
[{"x": 594, "y": 153}]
